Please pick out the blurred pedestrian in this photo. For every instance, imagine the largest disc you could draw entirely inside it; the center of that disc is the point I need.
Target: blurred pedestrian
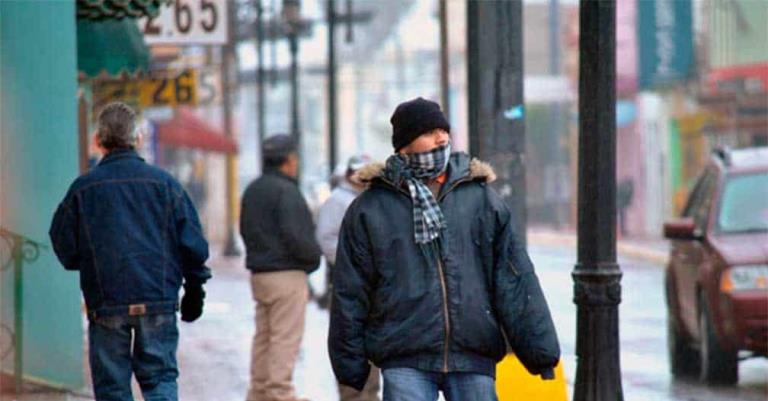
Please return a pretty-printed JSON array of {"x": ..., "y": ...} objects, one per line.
[
  {"x": 277, "y": 228},
  {"x": 331, "y": 213},
  {"x": 133, "y": 233},
  {"x": 430, "y": 275},
  {"x": 328, "y": 225}
]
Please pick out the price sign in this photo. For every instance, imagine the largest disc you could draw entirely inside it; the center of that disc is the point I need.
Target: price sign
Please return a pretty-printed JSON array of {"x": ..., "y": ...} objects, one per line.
[
  {"x": 187, "y": 22},
  {"x": 169, "y": 91},
  {"x": 169, "y": 88}
]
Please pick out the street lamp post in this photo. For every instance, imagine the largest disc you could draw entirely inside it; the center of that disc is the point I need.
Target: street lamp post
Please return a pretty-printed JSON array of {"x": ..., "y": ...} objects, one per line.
[
  {"x": 292, "y": 18},
  {"x": 597, "y": 276},
  {"x": 227, "y": 56},
  {"x": 260, "y": 106},
  {"x": 331, "y": 86},
  {"x": 294, "y": 47}
]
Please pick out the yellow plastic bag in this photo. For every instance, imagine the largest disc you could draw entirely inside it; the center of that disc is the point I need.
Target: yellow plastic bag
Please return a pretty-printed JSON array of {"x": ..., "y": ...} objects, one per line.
[{"x": 514, "y": 383}]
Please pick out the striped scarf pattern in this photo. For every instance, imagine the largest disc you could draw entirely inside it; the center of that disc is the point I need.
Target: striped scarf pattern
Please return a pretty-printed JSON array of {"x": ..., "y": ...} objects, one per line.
[{"x": 414, "y": 169}]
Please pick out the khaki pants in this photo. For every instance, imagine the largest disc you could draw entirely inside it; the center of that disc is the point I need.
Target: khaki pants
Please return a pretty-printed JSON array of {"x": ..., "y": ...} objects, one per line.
[
  {"x": 281, "y": 300},
  {"x": 370, "y": 391}
]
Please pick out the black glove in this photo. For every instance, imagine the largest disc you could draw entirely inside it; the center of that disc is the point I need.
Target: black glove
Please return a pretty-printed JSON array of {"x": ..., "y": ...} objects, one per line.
[{"x": 192, "y": 302}]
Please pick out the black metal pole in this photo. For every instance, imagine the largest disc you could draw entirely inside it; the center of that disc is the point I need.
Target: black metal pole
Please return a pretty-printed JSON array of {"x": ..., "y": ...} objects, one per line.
[
  {"x": 331, "y": 86},
  {"x": 227, "y": 53},
  {"x": 350, "y": 28},
  {"x": 273, "y": 48},
  {"x": 294, "y": 45},
  {"x": 444, "y": 60},
  {"x": 597, "y": 276},
  {"x": 556, "y": 121},
  {"x": 495, "y": 85},
  {"x": 260, "y": 106}
]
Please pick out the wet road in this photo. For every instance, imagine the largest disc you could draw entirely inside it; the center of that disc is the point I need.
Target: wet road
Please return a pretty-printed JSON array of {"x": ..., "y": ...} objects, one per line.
[{"x": 642, "y": 317}]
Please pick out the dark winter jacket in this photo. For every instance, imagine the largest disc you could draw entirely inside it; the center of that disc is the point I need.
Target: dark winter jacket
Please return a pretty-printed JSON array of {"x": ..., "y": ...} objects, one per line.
[
  {"x": 277, "y": 227},
  {"x": 133, "y": 233},
  {"x": 446, "y": 306}
]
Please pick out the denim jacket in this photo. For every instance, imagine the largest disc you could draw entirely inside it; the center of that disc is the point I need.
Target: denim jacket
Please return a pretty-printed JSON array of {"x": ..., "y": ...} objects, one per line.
[{"x": 134, "y": 235}]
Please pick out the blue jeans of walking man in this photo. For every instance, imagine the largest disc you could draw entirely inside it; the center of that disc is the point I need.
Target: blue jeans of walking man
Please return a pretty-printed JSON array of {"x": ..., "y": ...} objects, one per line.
[
  {"x": 407, "y": 384},
  {"x": 142, "y": 345}
]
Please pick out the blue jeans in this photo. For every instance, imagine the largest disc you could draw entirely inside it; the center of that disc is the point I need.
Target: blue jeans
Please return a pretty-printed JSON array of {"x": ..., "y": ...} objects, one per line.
[
  {"x": 407, "y": 384},
  {"x": 152, "y": 358}
]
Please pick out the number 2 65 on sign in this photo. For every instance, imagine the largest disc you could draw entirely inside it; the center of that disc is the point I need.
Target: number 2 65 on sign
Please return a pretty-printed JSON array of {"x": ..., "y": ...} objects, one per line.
[{"x": 187, "y": 22}]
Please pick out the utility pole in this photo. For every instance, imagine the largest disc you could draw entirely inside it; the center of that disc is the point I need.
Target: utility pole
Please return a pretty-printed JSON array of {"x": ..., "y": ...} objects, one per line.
[
  {"x": 260, "y": 106},
  {"x": 597, "y": 276},
  {"x": 555, "y": 107},
  {"x": 293, "y": 42},
  {"x": 496, "y": 112},
  {"x": 349, "y": 18},
  {"x": 332, "y": 98},
  {"x": 292, "y": 20},
  {"x": 444, "y": 61},
  {"x": 230, "y": 247}
]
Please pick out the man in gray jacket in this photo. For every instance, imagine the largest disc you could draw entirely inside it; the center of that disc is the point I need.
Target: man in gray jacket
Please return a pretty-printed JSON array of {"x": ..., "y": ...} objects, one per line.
[{"x": 328, "y": 226}]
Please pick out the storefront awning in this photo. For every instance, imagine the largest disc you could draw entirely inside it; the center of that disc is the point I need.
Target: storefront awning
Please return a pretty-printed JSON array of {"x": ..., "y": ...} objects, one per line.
[
  {"x": 749, "y": 77},
  {"x": 118, "y": 9},
  {"x": 110, "y": 46},
  {"x": 185, "y": 130}
]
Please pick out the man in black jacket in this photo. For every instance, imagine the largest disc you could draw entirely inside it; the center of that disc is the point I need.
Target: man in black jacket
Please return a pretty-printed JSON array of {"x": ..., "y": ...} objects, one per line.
[
  {"x": 431, "y": 277},
  {"x": 278, "y": 232}
]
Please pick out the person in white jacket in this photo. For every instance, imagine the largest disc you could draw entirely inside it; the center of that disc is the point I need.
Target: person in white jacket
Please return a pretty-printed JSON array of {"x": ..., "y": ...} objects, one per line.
[
  {"x": 332, "y": 212},
  {"x": 328, "y": 224}
]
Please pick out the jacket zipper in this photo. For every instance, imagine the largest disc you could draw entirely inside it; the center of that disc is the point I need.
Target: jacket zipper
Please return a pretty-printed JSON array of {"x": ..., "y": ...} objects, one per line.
[
  {"x": 441, "y": 272},
  {"x": 444, "y": 287},
  {"x": 445, "y": 311}
]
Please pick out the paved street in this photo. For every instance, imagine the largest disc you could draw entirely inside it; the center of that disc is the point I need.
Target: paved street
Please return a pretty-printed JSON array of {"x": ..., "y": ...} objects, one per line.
[
  {"x": 643, "y": 334},
  {"x": 214, "y": 351}
]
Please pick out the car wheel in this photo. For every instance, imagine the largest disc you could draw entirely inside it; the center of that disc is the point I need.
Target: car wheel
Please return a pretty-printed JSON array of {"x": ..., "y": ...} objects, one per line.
[
  {"x": 683, "y": 359},
  {"x": 718, "y": 366}
]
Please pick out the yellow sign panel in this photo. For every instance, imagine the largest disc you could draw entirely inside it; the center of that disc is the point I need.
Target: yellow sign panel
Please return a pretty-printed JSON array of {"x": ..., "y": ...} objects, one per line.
[{"x": 167, "y": 89}]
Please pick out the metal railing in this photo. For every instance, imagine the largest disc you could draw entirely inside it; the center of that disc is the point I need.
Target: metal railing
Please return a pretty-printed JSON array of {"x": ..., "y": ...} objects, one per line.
[{"x": 15, "y": 250}]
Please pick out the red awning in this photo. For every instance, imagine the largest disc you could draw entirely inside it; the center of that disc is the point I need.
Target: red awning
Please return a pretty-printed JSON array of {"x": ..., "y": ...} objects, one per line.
[
  {"x": 185, "y": 130},
  {"x": 756, "y": 72}
]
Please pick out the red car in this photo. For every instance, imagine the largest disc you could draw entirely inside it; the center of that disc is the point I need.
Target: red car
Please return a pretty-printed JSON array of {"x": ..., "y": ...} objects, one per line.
[{"x": 717, "y": 277}]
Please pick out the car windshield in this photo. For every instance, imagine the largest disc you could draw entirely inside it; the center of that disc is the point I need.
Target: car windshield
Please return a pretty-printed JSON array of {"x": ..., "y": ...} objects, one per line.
[{"x": 744, "y": 205}]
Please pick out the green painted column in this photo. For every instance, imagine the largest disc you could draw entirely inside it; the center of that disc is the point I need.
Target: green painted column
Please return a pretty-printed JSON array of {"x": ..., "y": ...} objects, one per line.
[{"x": 38, "y": 160}]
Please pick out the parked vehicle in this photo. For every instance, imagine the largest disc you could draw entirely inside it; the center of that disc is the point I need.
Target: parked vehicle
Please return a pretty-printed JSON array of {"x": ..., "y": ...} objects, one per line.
[{"x": 717, "y": 276}]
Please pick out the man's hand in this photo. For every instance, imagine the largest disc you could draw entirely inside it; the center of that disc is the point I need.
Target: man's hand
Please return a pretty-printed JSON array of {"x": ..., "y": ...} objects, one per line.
[
  {"x": 548, "y": 374},
  {"x": 192, "y": 302}
]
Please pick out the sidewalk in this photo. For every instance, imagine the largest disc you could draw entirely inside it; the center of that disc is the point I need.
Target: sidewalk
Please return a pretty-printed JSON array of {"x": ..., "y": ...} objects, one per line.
[
  {"x": 653, "y": 250},
  {"x": 214, "y": 352}
]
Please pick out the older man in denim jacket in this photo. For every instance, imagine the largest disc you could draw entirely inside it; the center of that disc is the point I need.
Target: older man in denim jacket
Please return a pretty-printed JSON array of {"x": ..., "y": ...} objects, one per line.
[{"x": 134, "y": 235}]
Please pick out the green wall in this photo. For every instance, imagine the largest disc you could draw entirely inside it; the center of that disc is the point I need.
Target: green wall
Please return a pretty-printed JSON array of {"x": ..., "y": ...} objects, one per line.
[{"x": 38, "y": 160}]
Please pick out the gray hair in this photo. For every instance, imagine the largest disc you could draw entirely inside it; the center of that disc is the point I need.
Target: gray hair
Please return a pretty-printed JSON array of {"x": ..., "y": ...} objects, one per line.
[{"x": 117, "y": 127}]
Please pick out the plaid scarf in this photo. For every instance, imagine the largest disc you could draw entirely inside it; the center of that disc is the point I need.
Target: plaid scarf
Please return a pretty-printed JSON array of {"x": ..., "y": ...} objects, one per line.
[{"x": 414, "y": 169}]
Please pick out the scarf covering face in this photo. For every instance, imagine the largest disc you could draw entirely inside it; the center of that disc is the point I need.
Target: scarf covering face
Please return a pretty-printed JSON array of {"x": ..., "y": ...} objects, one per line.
[{"x": 414, "y": 169}]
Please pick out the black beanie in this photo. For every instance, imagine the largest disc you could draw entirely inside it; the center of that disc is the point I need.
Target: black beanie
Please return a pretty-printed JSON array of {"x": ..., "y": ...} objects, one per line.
[{"x": 413, "y": 118}]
